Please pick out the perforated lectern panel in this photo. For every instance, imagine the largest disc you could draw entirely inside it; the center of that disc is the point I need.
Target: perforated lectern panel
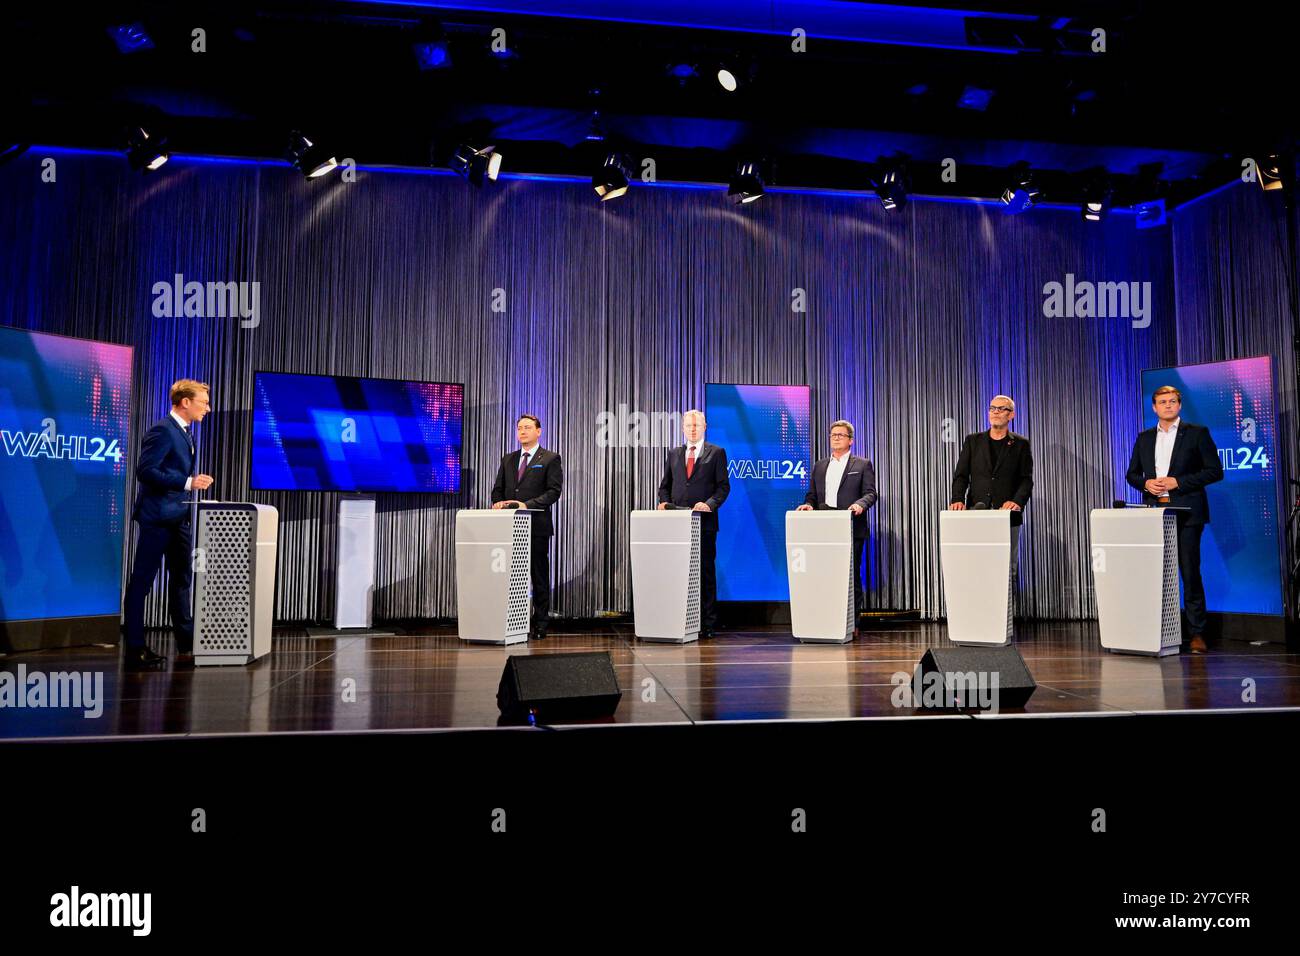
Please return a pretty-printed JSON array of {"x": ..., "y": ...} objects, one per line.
[
  {"x": 693, "y": 580},
  {"x": 520, "y": 575},
  {"x": 223, "y": 621},
  {"x": 1171, "y": 630}
]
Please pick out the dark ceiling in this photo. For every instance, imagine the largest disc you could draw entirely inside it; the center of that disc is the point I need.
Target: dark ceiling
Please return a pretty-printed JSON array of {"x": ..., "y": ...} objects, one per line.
[{"x": 1168, "y": 110}]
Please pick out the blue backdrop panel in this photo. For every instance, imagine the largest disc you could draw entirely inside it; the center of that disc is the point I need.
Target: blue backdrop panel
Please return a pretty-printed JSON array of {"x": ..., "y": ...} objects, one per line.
[
  {"x": 765, "y": 430},
  {"x": 1240, "y": 560},
  {"x": 65, "y": 412}
]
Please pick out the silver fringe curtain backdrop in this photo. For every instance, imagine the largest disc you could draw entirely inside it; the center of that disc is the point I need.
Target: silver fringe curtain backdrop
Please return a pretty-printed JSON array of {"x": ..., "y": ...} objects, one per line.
[{"x": 910, "y": 323}]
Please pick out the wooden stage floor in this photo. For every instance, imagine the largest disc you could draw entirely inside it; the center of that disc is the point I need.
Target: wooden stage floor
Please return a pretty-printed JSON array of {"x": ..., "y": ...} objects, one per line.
[{"x": 427, "y": 679}]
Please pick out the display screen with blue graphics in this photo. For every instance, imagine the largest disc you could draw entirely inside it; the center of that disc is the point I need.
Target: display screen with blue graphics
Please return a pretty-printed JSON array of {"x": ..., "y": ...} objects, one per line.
[
  {"x": 65, "y": 413},
  {"x": 1240, "y": 560},
  {"x": 765, "y": 431},
  {"x": 334, "y": 433}
]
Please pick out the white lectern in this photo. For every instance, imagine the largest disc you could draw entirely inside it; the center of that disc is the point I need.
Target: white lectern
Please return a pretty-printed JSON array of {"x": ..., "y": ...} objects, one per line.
[
  {"x": 819, "y": 564},
  {"x": 666, "y": 575},
  {"x": 354, "y": 592},
  {"x": 234, "y": 581},
  {"x": 1135, "y": 570},
  {"x": 975, "y": 554},
  {"x": 493, "y": 574}
]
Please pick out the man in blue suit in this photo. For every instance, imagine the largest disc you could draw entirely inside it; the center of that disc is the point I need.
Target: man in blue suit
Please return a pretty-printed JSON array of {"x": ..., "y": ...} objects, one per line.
[
  {"x": 1171, "y": 465},
  {"x": 167, "y": 474},
  {"x": 845, "y": 482},
  {"x": 695, "y": 477}
]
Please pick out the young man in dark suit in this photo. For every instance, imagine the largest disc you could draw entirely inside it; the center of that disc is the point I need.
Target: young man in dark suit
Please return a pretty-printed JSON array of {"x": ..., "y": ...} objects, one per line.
[
  {"x": 1171, "y": 465},
  {"x": 695, "y": 477},
  {"x": 533, "y": 477},
  {"x": 845, "y": 481},
  {"x": 996, "y": 469},
  {"x": 167, "y": 474}
]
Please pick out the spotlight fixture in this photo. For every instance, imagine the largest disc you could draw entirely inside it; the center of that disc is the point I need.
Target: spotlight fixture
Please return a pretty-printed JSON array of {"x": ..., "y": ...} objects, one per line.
[
  {"x": 1021, "y": 192},
  {"x": 1149, "y": 215},
  {"x": 310, "y": 159},
  {"x": 681, "y": 72},
  {"x": 974, "y": 98},
  {"x": 1096, "y": 200},
  {"x": 432, "y": 55},
  {"x": 610, "y": 181},
  {"x": 892, "y": 187},
  {"x": 145, "y": 153},
  {"x": 747, "y": 183},
  {"x": 734, "y": 73},
  {"x": 1269, "y": 172},
  {"x": 130, "y": 37},
  {"x": 476, "y": 163}
]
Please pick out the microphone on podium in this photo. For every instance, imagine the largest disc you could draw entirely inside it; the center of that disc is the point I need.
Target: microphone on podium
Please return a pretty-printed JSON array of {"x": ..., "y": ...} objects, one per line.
[{"x": 980, "y": 506}]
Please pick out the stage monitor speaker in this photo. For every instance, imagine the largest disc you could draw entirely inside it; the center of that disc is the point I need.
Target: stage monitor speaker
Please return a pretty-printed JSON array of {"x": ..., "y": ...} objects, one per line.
[
  {"x": 558, "y": 687},
  {"x": 966, "y": 678}
]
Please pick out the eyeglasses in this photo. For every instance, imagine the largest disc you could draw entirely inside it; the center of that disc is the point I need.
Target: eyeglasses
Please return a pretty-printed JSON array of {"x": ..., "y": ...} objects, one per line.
[
  {"x": 839, "y": 434},
  {"x": 999, "y": 408}
]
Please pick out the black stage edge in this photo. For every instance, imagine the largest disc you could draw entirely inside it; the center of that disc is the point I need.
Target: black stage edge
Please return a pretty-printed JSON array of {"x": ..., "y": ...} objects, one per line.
[{"x": 969, "y": 828}]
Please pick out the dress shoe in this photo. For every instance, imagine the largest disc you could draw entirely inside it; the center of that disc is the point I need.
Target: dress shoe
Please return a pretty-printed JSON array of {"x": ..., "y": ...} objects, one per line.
[
  {"x": 1198, "y": 644},
  {"x": 538, "y": 634},
  {"x": 706, "y": 633},
  {"x": 141, "y": 659}
]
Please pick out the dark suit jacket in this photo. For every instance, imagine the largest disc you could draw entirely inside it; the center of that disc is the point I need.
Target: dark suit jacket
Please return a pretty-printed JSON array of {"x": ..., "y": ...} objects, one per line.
[
  {"x": 165, "y": 461},
  {"x": 708, "y": 482},
  {"x": 976, "y": 480},
  {"x": 539, "y": 488},
  {"x": 1195, "y": 463},
  {"x": 857, "y": 487}
]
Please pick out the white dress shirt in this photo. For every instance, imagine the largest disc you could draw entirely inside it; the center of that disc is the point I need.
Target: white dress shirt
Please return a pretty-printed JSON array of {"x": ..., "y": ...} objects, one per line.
[
  {"x": 834, "y": 475},
  {"x": 1165, "y": 439},
  {"x": 186, "y": 429},
  {"x": 697, "y": 446}
]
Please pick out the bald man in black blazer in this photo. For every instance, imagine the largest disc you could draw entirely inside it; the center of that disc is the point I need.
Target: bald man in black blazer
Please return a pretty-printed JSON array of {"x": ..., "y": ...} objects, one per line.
[
  {"x": 533, "y": 477},
  {"x": 695, "y": 477}
]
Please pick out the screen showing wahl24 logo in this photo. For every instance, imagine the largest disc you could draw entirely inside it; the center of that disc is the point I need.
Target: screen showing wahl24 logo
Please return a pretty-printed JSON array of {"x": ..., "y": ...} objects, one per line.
[
  {"x": 64, "y": 422},
  {"x": 765, "y": 430}
]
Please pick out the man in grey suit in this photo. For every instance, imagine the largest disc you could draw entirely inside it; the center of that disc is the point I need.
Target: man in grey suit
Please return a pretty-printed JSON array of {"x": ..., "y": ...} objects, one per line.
[
  {"x": 695, "y": 477},
  {"x": 845, "y": 481}
]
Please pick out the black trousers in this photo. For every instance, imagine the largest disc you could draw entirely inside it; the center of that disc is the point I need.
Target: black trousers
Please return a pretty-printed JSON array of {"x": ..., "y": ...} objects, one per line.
[
  {"x": 541, "y": 571},
  {"x": 155, "y": 543},
  {"x": 1189, "y": 566},
  {"x": 708, "y": 579}
]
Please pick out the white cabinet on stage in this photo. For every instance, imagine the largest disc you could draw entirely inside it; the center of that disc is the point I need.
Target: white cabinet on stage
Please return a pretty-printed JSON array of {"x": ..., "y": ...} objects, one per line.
[{"x": 234, "y": 581}]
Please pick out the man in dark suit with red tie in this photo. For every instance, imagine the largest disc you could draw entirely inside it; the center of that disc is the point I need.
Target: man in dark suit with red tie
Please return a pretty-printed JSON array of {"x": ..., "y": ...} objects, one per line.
[
  {"x": 533, "y": 477},
  {"x": 167, "y": 473},
  {"x": 695, "y": 476},
  {"x": 1171, "y": 464},
  {"x": 845, "y": 482}
]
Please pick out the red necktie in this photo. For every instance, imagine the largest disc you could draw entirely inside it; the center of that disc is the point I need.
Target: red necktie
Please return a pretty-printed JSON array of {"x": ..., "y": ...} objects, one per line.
[
  {"x": 690, "y": 461},
  {"x": 523, "y": 466}
]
